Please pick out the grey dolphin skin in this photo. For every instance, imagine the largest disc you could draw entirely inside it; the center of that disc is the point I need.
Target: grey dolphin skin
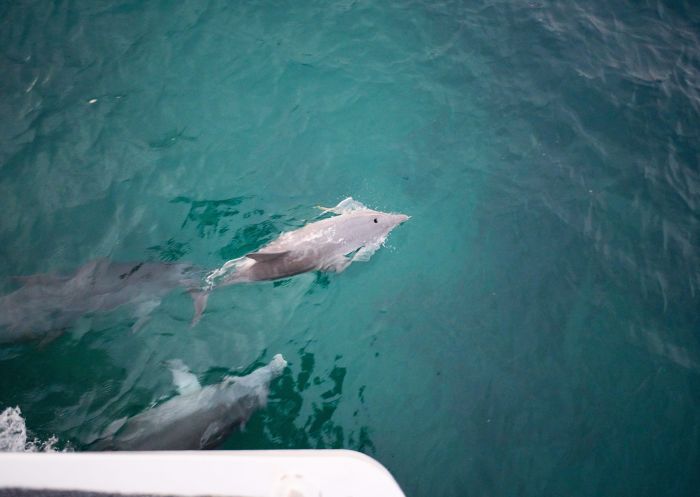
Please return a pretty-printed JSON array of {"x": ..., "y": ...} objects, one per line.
[
  {"x": 46, "y": 304},
  {"x": 330, "y": 244},
  {"x": 197, "y": 418}
]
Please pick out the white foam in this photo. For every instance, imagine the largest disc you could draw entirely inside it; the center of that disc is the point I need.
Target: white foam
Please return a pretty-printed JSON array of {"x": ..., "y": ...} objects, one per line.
[
  {"x": 228, "y": 268},
  {"x": 13, "y": 434},
  {"x": 366, "y": 252}
]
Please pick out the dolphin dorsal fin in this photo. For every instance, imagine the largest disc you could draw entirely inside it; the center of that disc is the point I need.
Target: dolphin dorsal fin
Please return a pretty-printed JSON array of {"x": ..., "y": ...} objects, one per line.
[
  {"x": 266, "y": 256},
  {"x": 184, "y": 380},
  {"x": 347, "y": 205}
]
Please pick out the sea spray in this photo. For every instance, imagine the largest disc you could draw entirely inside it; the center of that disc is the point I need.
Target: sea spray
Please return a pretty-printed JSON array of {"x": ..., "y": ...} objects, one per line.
[{"x": 14, "y": 438}]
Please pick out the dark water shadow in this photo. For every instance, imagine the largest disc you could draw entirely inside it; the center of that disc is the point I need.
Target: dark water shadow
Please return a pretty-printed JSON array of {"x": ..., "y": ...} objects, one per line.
[
  {"x": 289, "y": 423},
  {"x": 249, "y": 238},
  {"x": 208, "y": 215},
  {"x": 59, "y": 386},
  {"x": 171, "y": 250}
]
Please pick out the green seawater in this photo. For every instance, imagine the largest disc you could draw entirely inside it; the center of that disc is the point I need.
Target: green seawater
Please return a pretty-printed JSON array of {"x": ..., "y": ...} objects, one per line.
[{"x": 533, "y": 330}]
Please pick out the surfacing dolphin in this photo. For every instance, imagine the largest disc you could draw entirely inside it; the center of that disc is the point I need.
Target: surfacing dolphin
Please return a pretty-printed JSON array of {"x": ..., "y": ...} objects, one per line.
[
  {"x": 47, "y": 304},
  {"x": 199, "y": 417},
  {"x": 330, "y": 244}
]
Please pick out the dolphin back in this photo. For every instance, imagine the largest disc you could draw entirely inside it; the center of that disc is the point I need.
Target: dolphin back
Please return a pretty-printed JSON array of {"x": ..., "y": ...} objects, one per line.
[
  {"x": 48, "y": 304},
  {"x": 201, "y": 419}
]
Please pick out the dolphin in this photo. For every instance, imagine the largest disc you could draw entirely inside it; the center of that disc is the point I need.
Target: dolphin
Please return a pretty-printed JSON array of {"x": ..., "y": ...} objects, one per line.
[
  {"x": 46, "y": 304},
  {"x": 199, "y": 417},
  {"x": 329, "y": 245}
]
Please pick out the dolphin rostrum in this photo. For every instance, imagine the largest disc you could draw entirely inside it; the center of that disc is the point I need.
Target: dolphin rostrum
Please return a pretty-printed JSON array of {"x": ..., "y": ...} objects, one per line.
[
  {"x": 330, "y": 244},
  {"x": 46, "y": 304},
  {"x": 199, "y": 417}
]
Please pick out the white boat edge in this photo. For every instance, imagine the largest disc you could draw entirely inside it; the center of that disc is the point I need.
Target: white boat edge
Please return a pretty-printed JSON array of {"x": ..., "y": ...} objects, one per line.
[{"x": 274, "y": 473}]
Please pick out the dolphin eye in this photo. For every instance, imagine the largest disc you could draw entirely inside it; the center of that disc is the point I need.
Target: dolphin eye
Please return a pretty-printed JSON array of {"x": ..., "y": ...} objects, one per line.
[{"x": 375, "y": 219}]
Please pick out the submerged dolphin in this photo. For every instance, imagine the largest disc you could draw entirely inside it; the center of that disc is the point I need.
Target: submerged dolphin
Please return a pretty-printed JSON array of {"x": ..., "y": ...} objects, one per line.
[
  {"x": 199, "y": 417},
  {"x": 327, "y": 245},
  {"x": 46, "y": 304}
]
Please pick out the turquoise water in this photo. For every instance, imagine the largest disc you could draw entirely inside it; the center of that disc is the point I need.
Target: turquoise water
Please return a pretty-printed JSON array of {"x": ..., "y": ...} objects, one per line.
[{"x": 533, "y": 330}]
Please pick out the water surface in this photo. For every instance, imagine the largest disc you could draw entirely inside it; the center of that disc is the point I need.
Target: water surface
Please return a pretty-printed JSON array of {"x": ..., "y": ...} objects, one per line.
[{"x": 532, "y": 330}]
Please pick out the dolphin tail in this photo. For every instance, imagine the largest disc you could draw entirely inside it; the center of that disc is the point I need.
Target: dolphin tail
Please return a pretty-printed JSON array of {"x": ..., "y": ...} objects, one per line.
[{"x": 199, "y": 299}]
